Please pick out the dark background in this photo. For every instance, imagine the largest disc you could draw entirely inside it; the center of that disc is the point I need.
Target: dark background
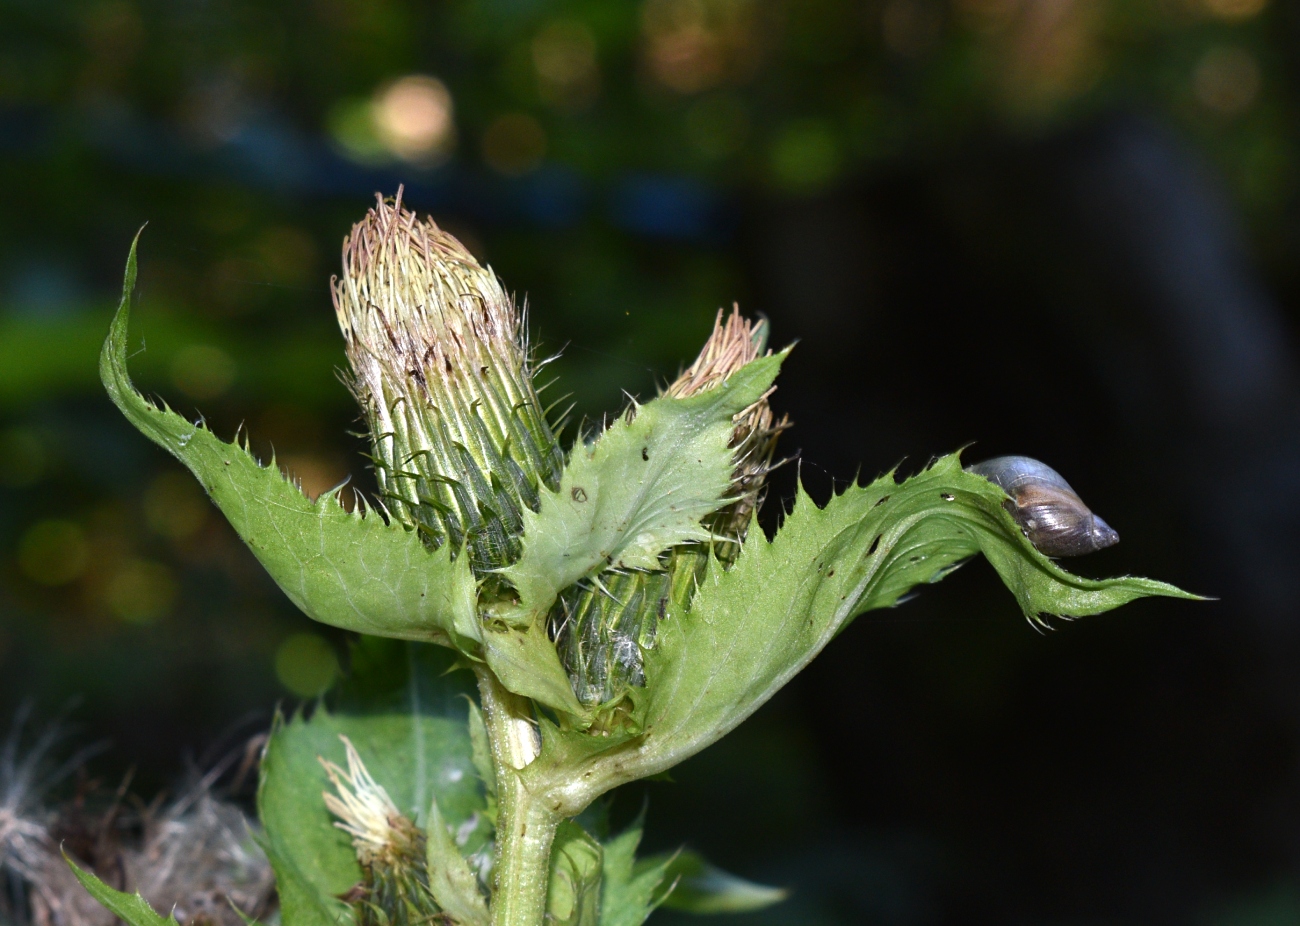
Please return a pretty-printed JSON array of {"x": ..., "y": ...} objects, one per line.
[{"x": 1065, "y": 228}]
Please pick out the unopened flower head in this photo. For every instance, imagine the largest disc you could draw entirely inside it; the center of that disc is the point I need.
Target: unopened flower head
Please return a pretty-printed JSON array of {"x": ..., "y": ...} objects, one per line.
[
  {"x": 733, "y": 343},
  {"x": 603, "y": 630},
  {"x": 390, "y": 848},
  {"x": 441, "y": 368}
]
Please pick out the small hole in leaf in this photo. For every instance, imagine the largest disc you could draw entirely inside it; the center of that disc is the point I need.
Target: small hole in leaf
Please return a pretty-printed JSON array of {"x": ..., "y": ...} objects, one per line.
[
  {"x": 645, "y": 453},
  {"x": 947, "y": 496},
  {"x": 578, "y": 494},
  {"x": 874, "y": 545},
  {"x": 883, "y": 499}
]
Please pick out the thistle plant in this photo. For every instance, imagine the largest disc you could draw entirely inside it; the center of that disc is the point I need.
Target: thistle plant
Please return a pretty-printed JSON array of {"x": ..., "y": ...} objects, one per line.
[{"x": 616, "y": 603}]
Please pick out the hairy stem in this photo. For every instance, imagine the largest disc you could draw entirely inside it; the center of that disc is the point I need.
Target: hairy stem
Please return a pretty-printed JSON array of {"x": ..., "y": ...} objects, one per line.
[{"x": 525, "y": 825}]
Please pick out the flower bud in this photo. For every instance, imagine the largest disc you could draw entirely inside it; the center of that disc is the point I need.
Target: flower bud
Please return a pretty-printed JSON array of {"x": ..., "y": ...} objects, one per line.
[
  {"x": 603, "y": 630},
  {"x": 731, "y": 345},
  {"x": 602, "y": 633},
  {"x": 441, "y": 369},
  {"x": 390, "y": 849}
]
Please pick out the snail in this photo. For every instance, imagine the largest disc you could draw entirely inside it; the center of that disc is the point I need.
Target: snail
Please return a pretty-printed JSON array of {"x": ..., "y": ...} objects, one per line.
[{"x": 1051, "y": 514}]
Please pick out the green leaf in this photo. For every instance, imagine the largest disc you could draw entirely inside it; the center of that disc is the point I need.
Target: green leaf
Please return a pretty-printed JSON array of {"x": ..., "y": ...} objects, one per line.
[
  {"x": 313, "y": 860},
  {"x": 526, "y": 663},
  {"x": 630, "y": 892},
  {"x": 573, "y": 895},
  {"x": 344, "y": 569},
  {"x": 639, "y": 489},
  {"x": 452, "y": 882},
  {"x": 698, "y": 887},
  {"x": 416, "y": 749},
  {"x": 131, "y": 908},
  {"x": 750, "y": 628}
]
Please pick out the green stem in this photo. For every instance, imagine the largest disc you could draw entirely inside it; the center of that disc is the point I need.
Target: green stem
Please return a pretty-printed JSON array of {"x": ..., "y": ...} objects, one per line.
[{"x": 525, "y": 825}]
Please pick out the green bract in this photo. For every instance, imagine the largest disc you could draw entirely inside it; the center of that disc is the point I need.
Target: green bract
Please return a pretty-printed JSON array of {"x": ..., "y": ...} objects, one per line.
[
  {"x": 619, "y": 608},
  {"x": 643, "y": 487},
  {"x": 345, "y": 569}
]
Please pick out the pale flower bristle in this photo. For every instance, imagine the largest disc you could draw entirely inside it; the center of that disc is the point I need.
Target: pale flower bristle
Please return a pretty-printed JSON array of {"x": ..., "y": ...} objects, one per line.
[
  {"x": 413, "y": 298},
  {"x": 734, "y": 342},
  {"x": 362, "y": 805}
]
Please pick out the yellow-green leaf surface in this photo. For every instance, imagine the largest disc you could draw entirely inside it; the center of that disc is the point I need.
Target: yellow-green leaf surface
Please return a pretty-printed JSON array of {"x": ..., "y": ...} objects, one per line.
[
  {"x": 525, "y": 661},
  {"x": 630, "y": 890},
  {"x": 341, "y": 568},
  {"x": 753, "y": 627},
  {"x": 451, "y": 880},
  {"x": 749, "y": 629},
  {"x": 639, "y": 489},
  {"x": 573, "y": 894}
]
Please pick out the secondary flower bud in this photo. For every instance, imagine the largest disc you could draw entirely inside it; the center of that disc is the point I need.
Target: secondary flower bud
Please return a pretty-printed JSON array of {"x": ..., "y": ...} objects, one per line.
[
  {"x": 441, "y": 368},
  {"x": 602, "y": 633},
  {"x": 732, "y": 344},
  {"x": 603, "y": 630},
  {"x": 390, "y": 849}
]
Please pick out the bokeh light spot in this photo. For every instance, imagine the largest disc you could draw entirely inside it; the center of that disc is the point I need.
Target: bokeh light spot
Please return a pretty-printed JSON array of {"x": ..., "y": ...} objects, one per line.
[
  {"x": 413, "y": 118},
  {"x": 564, "y": 57},
  {"x": 288, "y": 424},
  {"x": 1041, "y": 55},
  {"x": 514, "y": 144},
  {"x": 806, "y": 157},
  {"x": 114, "y": 30},
  {"x": 305, "y": 664},
  {"x": 141, "y": 591},
  {"x": 351, "y": 123},
  {"x": 53, "y": 552},
  {"x": 23, "y": 458},
  {"x": 911, "y": 28},
  {"x": 287, "y": 255},
  {"x": 203, "y": 371},
  {"x": 1235, "y": 9},
  {"x": 174, "y": 506},
  {"x": 987, "y": 16},
  {"x": 693, "y": 45},
  {"x": 1227, "y": 80}
]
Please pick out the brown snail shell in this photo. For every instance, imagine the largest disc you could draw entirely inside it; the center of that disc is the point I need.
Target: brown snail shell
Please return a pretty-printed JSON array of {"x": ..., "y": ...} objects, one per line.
[{"x": 1051, "y": 514}]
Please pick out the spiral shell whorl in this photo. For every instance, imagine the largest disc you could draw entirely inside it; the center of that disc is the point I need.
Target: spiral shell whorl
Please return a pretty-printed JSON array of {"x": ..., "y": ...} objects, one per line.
[{"x": 1048, "y": 510}]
